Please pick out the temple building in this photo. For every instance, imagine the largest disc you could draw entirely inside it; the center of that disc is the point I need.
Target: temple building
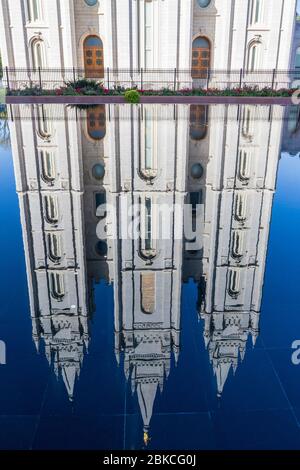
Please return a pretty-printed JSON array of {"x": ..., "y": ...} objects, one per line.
[
  {"x": 104, "y": 37},
  {"x": 78, "y": 171}
]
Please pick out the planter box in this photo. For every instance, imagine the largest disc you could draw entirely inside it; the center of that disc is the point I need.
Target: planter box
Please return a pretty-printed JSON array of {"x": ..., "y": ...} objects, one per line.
[{"x": 149, "y": 99}]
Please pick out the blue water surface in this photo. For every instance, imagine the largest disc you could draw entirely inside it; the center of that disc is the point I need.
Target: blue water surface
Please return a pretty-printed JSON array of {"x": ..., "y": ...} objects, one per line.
[{"x": 260, "y": 404}]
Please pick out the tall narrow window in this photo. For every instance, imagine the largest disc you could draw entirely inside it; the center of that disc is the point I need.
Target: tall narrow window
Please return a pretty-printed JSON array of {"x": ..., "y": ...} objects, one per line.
[
  {"x": 148, "y": 224},
  {"x": 148, "y": 141},
  {"x": 148, "y": 157},
  {"x": 147, "y": 240},
  {"x": 57, "y": 285},
  {"x": 241, "y": 206},
  {"x": 200, "y": 58},
  {"x": 51, "y": 205},
  {"x": 254, "y": 57},
  {"x": 48, "y": 166},
  {"x": 100, "y": 204},
  {"x": 93, "y": 57},
  {"x": 294, "y": 119},
  {"x": 248, "y": 122},
  {"x": 96, "y": 122},
  {"x": 35, "y": 12},
  {"x": 198, "y": 121},
  {"x": 234, "y": 283},
  {"x": 54, "y": 245},
  {"x": 148, "y": 34},
  {"x": 44, "y": 121},
  {"x": 244, "y": 165},
  {"x": 237, "y": 244},
  {"x": 148, "y": 292},
  {"x": 257, "y": 11},
  {"x": 38, "y": 53}
]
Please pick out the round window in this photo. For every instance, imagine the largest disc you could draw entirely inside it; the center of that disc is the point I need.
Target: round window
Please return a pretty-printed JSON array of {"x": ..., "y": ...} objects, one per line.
[
  {"x": 98, "y": 171},
  {"x": 91, "y": 3},
  {"x": 203, "y": 3},
  {"x": 101, "y": 248},
  {"x": 197, "y": 171}
]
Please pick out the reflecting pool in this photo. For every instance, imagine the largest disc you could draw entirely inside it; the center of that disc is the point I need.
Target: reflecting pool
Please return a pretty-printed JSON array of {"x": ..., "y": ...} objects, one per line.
[{"x": 114, "y": 335}]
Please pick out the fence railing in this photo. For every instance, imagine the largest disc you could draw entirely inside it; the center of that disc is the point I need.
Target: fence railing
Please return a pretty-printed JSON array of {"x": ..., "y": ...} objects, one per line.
[{"x": 175, "y": 79}]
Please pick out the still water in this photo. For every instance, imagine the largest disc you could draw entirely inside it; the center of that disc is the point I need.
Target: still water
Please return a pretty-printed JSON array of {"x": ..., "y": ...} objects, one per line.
[{"x": 119, "y": 342}]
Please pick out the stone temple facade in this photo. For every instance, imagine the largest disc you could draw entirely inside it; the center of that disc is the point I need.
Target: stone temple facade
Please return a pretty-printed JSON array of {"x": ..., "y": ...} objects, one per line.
[
  {"x": 69, "y": 162},
  {"x": 186, "y": 35}
]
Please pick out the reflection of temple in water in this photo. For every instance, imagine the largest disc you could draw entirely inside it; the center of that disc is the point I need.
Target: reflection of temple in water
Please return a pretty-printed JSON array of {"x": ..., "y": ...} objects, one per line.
[{"x": 223, "y": 157}]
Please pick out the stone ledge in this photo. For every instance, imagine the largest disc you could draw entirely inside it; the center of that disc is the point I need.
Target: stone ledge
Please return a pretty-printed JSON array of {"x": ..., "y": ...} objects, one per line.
[{"x": 264, "y": 100}]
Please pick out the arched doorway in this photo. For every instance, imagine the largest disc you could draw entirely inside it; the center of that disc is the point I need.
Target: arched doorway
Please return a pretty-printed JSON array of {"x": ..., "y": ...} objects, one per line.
[
  {"x": 198, "y": 121},
  {"x": 93, "y": 57},
  {"x": 200, "y": 57}
]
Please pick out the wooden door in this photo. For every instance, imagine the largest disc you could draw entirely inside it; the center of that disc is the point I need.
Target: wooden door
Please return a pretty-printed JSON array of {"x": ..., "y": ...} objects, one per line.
[
  {"x": 96, "y": 122},
  {"x": 200, "y": 58},
  {"x": 93, "y": 57}
]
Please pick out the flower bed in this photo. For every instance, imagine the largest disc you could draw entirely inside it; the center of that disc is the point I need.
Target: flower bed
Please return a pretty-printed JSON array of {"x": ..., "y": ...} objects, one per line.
[{"x": 86, "y": 87}]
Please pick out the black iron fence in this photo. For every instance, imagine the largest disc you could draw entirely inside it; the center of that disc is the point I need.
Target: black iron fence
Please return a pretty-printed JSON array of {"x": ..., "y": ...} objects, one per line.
[{"x": 150, "y": 79}]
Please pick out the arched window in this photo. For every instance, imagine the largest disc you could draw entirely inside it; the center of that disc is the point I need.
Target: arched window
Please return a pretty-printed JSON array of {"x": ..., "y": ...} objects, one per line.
[
  {"x": 57, "y": 285},
  {"x": 234, "y": 283},
  {"x": 198, "y": 121},
  {"x": 248, "y": 122},
  {"x": 93, "y": 57},
  {"x": 256, "y": 12},
  {"x": 147, "y": 239},
  {"x": 237, "y": 244},
  {"x": 35, "y": 11},
  {"x": 240, "y": 206},
  {"x": 48, "y": 166},
  {"x": 254, "y": 57},
  {"x": 148, "y": 149},
  {"x": 96, "y": 122},
  {"x": 54, "y": 246},
  {"x": 148, "y": 34},
  {"x": 148, "y": 292},
  {"x": 44, "y": 122},
  {"x": 244, "y": 165},
  {"x": 200, "y": 57},
  {"x": 52, "y": 212},
  {"x": 38, "y": 53}
]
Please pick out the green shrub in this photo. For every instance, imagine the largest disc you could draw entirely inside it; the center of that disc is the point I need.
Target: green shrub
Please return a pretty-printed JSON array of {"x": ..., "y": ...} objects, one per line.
[
  {"x": 132, "y": 96},
  {"x": 84, "y": 83}
]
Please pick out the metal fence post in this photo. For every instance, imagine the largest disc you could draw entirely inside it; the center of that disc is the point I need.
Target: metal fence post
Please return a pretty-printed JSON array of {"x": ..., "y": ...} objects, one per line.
[
  {"x": 241, "y": 77},
  {"x": 141, "y": 78},
  {"x": 273, "y": 78},
  {"x": 208, "y": 78},
  {"x": 74, "y": 75},
  {"x": 40, "y": 78},
  {"x": 175, "y": 74},
  {"x": 108, "y": 84},
  {"x": 7, "y": 78}
]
